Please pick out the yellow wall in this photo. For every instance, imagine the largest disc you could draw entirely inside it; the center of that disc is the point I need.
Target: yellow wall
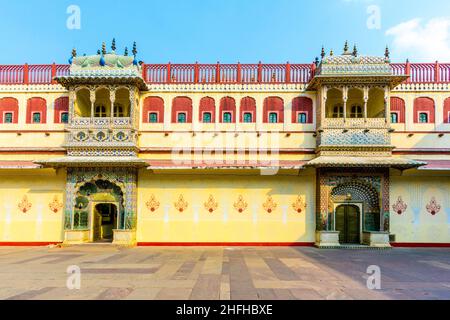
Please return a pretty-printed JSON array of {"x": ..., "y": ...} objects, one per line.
[
  {"x": 196, "y": 224},
  {"x": 416, "y": 225},
  {"x": 40, "y": 223}
]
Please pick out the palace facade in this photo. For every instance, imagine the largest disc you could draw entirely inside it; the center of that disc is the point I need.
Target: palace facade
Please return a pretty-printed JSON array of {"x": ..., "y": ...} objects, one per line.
[{"x": 350, "y": 149}]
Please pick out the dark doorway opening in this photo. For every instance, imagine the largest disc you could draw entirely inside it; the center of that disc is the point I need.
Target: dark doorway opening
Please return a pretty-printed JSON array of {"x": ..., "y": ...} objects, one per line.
[
  {"x": 105, "y": 221},
  {"x": 348, "y": 224}
]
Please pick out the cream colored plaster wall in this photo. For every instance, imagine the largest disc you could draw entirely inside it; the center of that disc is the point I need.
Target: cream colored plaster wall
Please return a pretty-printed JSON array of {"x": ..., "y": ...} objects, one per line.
[
  {"x": 417, "y": 224},
  {"x": 38, "y": 189},
  {"x": 226, "y": 224}
]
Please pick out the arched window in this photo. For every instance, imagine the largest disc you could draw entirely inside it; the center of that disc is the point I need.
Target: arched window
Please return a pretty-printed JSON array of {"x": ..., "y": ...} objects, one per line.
[
  {"x": 398, "y": 107},
  {"x": 153, "y": 117},
  {"x": 273, "y": 117},
  {"x": 447, "y": 110},
  {"x": 302, "y": 117},
  {"x": 181, "y": 117},
  {"x": 394, "y": 117},
  {"x": 356, "y": 112},
  {"x": 61, "y": 110},
  {"x": 338, "y": 111},
  {"x": 227, "y": 117},
  {"x": 36, "y": 106},
  {"x": 273, "y": 105},
  {"x": 227, "y": 106},
  {"x": 153, "y": 110},
  {"x": 207, "y": 105},
  {"x": 9, "y": 110},
  {"x": 248, "y": 118},
  {"x": 206, "y": 117},
  {"x": 302, "y": 105},
  {"x": 424, "y": 110},
  {"x": 100, "y": 111},
  {"x": 182, "y": 105},
  {"x": 248, "y": 110}
]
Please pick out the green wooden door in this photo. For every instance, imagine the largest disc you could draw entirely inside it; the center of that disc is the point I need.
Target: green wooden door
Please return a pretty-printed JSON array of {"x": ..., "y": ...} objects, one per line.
[{"x": 348, "y": 224}]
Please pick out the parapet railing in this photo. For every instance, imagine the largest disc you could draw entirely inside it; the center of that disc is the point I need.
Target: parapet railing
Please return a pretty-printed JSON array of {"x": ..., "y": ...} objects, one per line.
[{"x": 221, "y": 73}]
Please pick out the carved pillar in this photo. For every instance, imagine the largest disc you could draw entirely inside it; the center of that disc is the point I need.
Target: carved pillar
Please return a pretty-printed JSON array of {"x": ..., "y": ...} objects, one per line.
[
  {"x": 345, "y": 96},
  {"x": 132, "y": 106},
  {"x": 366, "y": 99},
  {"x": 92, "y": 98},
  {"x": 72, "y": 96},
  {"x": 387, "y": 112},
  {"x": 112, "y": 97},
  {"x": 323, "y": 105}
]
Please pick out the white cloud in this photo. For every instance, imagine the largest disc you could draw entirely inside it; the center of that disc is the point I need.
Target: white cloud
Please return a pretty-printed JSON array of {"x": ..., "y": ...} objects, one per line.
[{"x": 422, "y": 41}]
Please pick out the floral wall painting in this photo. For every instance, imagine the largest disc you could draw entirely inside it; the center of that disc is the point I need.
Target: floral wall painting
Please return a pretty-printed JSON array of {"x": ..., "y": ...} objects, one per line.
[
  {"x": 181, "y": 205},
  {"x": 299, "y": 205},
  {"x": 270, "y": 205},
  {"x": 433, "y": 207},
  {"x": 211, "y": 205},
  {"x": 400, "y": 206},
  {"x": 24, "y": 205},
  {"x": 55, "y": 205},
  {"x": 240, "y": 205},
  {"x": 152, "y": 204}
]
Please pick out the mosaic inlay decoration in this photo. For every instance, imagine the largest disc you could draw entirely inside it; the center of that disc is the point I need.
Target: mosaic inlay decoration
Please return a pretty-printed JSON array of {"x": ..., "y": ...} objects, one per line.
[
  {"x": 55, "y": 205},
  {"x": 24, "y": 205},
  {"x": 181, "y": 204},
  {"x": 211, "y": 205},
  {"x": 270, "y": 205},
  {"x": 152, "y": 204},
  {"x": 400, "y": 206},
  {"x": 240, "y": 205},
  {"x": 433, "y": 207}
]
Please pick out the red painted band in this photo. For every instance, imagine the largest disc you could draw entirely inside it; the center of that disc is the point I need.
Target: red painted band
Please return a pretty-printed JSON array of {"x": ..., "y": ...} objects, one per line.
[
  {"x": 225, "y": 244},
  {"x": 420, "y": 245},
  {"x": 27, "y": 244}
]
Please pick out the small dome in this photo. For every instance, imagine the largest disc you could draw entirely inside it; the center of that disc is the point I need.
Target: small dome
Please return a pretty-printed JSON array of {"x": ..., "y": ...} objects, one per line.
[{"x": 102, "y": 61}]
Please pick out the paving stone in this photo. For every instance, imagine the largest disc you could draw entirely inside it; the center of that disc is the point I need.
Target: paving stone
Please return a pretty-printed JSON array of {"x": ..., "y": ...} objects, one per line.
[{"x": 234, "y": 273}]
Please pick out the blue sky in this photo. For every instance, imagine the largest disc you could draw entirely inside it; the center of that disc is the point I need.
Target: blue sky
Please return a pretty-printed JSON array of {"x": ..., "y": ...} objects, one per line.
[{"x": 185, "y": 31}]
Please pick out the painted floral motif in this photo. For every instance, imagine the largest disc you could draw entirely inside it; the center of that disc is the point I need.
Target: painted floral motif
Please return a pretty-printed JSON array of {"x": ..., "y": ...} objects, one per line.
[
  {"x": 400, "y": 206},
  {"x": 152, "y": 204},
  {"x": 240, "y": 205},
  {"x": 299, "y": 205},
  {"x": 433, "y": 207},
  {"x": 24, "y": 205},
  {"x": 181, "y": 204},
  {"x": 211, "y": 205},
  {"x": 55, "y": 205},
  {"x": 270, "y": 205}
]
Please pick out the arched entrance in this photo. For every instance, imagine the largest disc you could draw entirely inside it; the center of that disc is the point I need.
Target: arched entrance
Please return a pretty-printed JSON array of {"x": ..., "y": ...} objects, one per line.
[
  {"x": 104, "y": 222},
  {"x": 348, "y": 223},
  {"x": 101, "y": 204}
]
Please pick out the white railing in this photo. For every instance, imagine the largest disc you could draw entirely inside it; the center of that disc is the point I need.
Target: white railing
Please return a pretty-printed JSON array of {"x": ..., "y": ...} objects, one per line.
[
  {"x": 355, "y": 123},
  {"x": 85, "y": 122}
]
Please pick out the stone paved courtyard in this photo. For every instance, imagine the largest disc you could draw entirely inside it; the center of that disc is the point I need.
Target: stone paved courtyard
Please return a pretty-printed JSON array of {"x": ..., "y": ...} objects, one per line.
[{"x": 222, "y": 273}]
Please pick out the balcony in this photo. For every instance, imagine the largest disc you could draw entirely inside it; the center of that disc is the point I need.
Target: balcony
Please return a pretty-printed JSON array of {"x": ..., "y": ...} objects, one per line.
[{"x": 369, "y": 132}]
